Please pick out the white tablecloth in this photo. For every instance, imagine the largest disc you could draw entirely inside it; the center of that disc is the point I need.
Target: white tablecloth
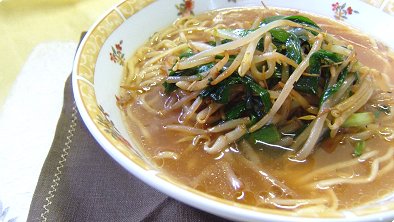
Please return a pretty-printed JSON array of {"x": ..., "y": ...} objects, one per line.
[{"x": 27, "y": 124}]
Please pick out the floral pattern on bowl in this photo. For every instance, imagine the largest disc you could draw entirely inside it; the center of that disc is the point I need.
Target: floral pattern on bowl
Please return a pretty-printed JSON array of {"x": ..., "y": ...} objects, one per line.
[
  {"x": 341, "y": 11},
  {"x": 117, "y": 56}
]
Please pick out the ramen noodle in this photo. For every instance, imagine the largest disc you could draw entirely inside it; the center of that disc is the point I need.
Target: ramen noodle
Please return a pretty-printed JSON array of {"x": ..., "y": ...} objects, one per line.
[{"x": 270, "y": 108}]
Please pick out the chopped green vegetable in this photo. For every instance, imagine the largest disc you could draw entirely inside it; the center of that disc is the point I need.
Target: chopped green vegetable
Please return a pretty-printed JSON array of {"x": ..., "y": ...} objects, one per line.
[
  {"x": 268, "y": 134},
  {"x": 250, "y": 105},
  {"x": 359, "y": 119},
  {"x": 276, "y": 77},
  {"x": 307, "y": 84},
  {"x": 169, "y": 87},
  {"x": 260, "y": 91},
  {"x": 235, "y": 111},
  {"x": 293, "y": 48},
  {"x": 322, "y": 56},
  {"x": 329, "y": 91},
  {"x": 310, "y": 84},
  {"x": 359, "y": 148},
  {"x": 302, "y": 20},
  {"x": 220, "y": 93},
  {"x": 301, "y": 33},
  {"x": 279, "y": 35}
]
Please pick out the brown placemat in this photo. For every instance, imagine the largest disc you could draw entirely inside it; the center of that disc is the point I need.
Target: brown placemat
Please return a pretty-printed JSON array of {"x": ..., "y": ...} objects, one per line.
[{"x": 80, "y": 182}]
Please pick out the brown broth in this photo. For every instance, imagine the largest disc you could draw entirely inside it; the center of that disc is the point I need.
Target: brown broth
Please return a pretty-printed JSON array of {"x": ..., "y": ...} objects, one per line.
[{"x": 194, "y": 162}]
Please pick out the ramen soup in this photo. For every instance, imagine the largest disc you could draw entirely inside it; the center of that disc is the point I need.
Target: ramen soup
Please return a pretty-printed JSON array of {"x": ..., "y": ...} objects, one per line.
[{"x": 275, "y": 109}]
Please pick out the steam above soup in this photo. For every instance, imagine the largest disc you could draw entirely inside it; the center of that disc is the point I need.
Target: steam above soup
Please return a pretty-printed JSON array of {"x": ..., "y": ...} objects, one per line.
[{"x": 287, "y": 111}]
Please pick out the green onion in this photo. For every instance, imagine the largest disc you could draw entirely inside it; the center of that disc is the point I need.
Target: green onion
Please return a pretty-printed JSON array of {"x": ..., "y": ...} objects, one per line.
[
  {"x": 359, "y": 119},
  {"x": 359, "y": 148},
  {"x": 186, "y": 54}
]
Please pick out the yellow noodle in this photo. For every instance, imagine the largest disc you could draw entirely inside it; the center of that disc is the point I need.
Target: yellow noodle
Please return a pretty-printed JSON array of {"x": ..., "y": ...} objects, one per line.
[
  {"x": 149, "y": 75},
  {"x": 185, "y": 129},
  {"x": 226, "y": 168},
  {"x": 298, "y": 202},
  {"x": 149, "y": 69},
  {"x": 139, "y": 124},
  {"x": 182, "y": 101},
  {"x": 185, "y": 139},
  {"x": 146, "y": 106},
  {"x": 187, "y": 29},
  {"x": 151, "y": 82},
  {"x": 387, "y": 168},
  {"x": 165, "y": 43},
  {"x": 165, "y": 53},
  {"x": 357, "y": 180},
  {"x": 167, "y": 155},
  {"x": 334, "y": 199},
  {"x": 340, "y": 165},
  {"x": 249, "y": 152},
  {"x": 149, "y": 66},
  {"x": 266, "y": 176},
  {"x": 130, "y": 70}
]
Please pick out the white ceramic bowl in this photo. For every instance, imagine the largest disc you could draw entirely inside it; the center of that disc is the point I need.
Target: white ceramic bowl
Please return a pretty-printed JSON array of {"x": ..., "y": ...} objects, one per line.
[{"x": 97, "y": 74}]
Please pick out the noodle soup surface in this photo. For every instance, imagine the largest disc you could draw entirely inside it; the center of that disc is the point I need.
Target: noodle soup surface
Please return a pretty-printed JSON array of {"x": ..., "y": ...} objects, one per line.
[{"x": 267, "y": 165}]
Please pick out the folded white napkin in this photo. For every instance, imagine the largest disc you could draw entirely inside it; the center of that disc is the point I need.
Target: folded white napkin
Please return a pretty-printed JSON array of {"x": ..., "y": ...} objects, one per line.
[{"x": 27, "y": 124}]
